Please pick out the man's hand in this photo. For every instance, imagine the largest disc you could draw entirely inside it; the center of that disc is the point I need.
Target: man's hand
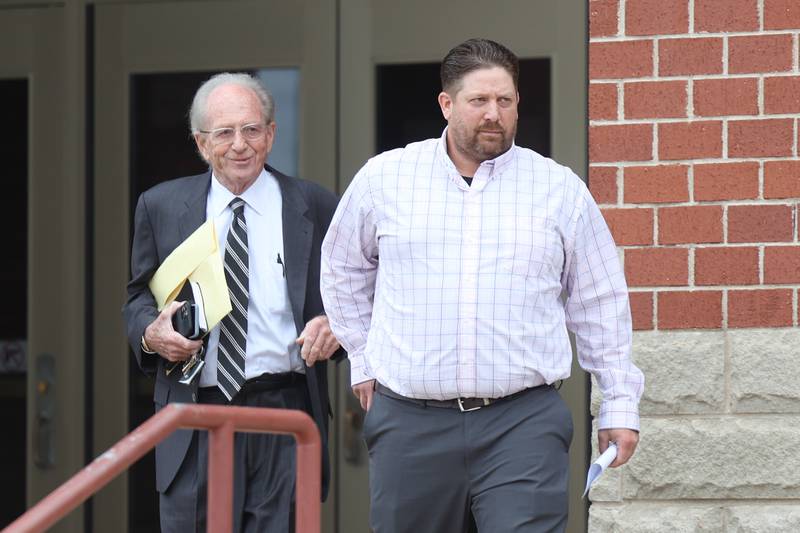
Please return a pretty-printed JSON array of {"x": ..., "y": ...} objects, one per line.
[
  {"x": 625, "y": 439},
  {"x": 162, "y": 338},
  {"x": 364, "y": 391},
  {"x": 317, "y": 341}
]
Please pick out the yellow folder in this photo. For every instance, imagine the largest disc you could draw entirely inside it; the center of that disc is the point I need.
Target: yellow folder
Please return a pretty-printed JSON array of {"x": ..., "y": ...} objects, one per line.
[{"x": 196, "y": 259}]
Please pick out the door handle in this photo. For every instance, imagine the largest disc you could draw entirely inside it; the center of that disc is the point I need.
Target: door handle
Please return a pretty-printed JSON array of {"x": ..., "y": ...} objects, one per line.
[
  {"x": 44, "y": 423},
  {"x": 351, "y": 434}
]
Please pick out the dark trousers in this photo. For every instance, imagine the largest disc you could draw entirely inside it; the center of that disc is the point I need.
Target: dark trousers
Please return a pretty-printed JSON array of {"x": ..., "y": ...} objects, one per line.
[
  {"x": 264, "y": 471},
  {"x": 506, "y": 463}
]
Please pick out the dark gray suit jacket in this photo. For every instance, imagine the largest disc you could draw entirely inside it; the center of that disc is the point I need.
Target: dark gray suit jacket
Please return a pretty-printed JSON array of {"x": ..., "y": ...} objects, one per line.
[{"x": 165, "y": 216}]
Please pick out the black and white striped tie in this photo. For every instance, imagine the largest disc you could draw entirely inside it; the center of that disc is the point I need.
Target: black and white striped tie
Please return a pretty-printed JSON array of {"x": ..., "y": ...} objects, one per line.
[{"x": 233, "y": 328}]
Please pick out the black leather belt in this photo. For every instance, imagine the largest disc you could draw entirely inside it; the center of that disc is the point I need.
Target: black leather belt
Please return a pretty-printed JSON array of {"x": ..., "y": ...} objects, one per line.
[
  {"x": 462, "y": 404},
  {"x": 264, "y": 382}
]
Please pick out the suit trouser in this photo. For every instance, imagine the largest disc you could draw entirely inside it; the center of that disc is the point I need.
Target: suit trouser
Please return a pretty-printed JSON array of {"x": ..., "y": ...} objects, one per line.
[
  {"x": 263, "y": 472},
  {"x": 507, "y": 463}
]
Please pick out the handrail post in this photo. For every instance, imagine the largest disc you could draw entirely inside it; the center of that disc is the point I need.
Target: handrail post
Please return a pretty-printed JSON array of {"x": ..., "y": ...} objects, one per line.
[
  {"x": 220, "y": 478},
  {"x": 221, "y": 423}
]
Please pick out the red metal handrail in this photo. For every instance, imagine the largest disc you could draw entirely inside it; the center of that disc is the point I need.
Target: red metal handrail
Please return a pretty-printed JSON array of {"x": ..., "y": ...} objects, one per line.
[{"x": 221, "y": 422}]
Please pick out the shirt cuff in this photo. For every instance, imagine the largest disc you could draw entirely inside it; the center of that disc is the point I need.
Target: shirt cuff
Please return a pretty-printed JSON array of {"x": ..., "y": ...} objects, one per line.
[
  {"x": 358, "y": 370},
  {"x": 616, "y": 414},
  {"x": 145, "y": 348}
]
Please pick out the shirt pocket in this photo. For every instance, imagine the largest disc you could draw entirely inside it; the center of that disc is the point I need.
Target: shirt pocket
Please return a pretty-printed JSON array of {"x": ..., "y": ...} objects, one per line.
[{"x": 529, "y": 247}]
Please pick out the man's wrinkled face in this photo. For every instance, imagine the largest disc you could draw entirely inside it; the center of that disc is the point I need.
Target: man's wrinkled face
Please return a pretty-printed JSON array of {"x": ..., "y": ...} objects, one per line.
[
  {"x": 482, "y": 114},
  {"x": 237, "y": 161}
]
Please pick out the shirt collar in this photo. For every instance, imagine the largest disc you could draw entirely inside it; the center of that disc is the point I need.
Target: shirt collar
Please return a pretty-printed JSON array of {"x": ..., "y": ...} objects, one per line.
[
  {"x": 493, "y": 167},
  {"x": 255, "y": 196}
]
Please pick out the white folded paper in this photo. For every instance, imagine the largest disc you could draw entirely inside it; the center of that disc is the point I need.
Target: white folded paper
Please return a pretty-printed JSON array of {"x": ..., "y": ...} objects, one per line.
[{"x": 599, "y": 466}]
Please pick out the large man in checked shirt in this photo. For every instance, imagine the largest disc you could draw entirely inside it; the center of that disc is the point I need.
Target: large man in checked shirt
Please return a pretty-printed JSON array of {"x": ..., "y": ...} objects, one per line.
[{"x": 442, "y": 275}]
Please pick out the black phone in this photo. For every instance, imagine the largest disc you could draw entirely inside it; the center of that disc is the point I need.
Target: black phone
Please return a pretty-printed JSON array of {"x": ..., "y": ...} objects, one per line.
[{"x": 186, "y": 321}]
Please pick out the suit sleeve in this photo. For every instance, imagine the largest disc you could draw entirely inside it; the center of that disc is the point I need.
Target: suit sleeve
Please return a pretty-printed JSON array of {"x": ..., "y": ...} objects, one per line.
[{"x": 140, "y": 309}]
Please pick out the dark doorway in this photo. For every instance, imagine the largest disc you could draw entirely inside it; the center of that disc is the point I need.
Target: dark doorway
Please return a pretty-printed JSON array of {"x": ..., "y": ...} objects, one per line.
[
  {"x": 408, "y": 111},
  {"x": 14, "y": 287},
  {"x": 161, "y": 149}
]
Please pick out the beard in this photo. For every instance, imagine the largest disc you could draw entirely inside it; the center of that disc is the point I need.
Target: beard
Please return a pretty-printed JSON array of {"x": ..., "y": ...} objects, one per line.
[{"x": 487, "y": 142}]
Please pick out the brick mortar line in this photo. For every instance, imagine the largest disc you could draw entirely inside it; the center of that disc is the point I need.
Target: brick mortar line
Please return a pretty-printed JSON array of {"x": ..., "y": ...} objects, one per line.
[
  {"x": 794, "y": 305},
  {"x": 690, "y": 268},
  {"x": 760, "y": 95},
  {"x": 620, "y": 187},
  {"x": 674, "y": 162},
  {"x": 691, "y": 16},
  {"x": 725, "y": 122},
  {"x": 760, "y": 11},
  {"x": 656, "y": 62},
  {"x": 655, "y": 311},
  {"x": 725, "y": 225},
  {"x": 727, "y": 367},
  {"x": 698, "y": 77},
  {"x": 685, "y": 162},
  {"x": 620, "y": 101},
  {"x": 621, "y": 18},
  {"x": 761, "y": 264},
  {"x": 690, "y": 36},
  {"x": 795, "y": 52},
  {"x": 724, "y": 305},
  {"x": 656, "y": 226},
  {"x": 690, "y": 99},
  {"x": 652, "y": 503},
  {"x": 761, "y": 165},
  {"x": 654, "y": 147},
  {"x": 718, "y": 416},
  {"x": 713, "y": 288},
  {"x": 794, "y": 138},
  {"x": 690, "y": 120},
  {"x": 710, "y": 203},
  {"x": 711, "y": 245},
  {"x": 725, "y": 55},
  {"x": 703, "y": 161}
]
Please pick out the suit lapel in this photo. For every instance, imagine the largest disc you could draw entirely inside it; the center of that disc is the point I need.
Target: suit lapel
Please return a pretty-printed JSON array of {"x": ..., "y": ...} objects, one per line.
[
  {"x": 194, "y": 208},
  {"x": 298, "y": 232}
]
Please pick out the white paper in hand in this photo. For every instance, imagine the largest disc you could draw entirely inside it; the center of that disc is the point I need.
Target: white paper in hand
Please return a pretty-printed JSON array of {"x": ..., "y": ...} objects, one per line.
[{"x": 600, "y": 465}]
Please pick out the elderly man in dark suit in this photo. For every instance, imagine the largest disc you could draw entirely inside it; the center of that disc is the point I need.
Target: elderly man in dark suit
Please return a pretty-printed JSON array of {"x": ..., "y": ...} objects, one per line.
[{"x": 263, "y": 353}]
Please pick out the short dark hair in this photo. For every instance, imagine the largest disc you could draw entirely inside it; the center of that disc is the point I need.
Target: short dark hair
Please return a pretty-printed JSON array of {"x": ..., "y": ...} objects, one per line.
[{"x": 474, "y": 54}]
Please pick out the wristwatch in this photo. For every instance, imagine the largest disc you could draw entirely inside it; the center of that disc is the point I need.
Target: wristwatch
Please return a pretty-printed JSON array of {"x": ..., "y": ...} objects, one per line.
[{"x": 145, "y": 348}]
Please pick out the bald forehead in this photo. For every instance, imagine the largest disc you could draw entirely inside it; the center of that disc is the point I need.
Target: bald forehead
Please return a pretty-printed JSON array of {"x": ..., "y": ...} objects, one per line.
[{"x": 228, "y": 102}]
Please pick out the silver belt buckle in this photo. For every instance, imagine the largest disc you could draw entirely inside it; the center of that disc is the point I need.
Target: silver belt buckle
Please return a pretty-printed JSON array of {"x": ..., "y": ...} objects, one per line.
[{"x": 463, "y": 409}]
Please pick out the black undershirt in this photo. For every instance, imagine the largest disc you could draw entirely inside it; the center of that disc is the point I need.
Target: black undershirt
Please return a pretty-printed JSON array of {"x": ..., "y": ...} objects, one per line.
[{"x": 468, "y": 180}]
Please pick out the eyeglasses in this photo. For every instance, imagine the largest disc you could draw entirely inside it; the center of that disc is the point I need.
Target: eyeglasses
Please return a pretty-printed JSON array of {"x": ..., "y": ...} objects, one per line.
[{"x": 251, "y": 132}]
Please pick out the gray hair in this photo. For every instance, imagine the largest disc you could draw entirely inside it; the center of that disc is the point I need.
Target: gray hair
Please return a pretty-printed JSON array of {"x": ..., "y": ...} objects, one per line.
[{"x": 197, "y": 113}]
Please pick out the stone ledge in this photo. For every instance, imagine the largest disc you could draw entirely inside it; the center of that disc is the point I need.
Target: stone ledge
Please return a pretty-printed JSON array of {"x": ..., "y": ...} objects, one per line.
[
  {"x": 650, "y": 519},
  {"x": 764, "y": 371},
  {"x": 716, "y": 458},
  {"x": 684, "y": 372}
]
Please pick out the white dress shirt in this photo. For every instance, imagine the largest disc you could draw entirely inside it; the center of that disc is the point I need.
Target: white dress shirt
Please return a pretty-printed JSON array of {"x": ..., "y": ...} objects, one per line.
[
  {"x": 271, "y": 331},
  {"x": 438, "y": 289}
]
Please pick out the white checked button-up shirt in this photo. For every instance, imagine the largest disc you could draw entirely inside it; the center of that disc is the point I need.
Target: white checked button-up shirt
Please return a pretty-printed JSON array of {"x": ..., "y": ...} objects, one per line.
[{"x": 439, "y": 290}]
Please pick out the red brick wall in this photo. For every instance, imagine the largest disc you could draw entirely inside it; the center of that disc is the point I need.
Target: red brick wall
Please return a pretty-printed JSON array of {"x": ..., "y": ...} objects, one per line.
[{"x": 693, "y": 149}]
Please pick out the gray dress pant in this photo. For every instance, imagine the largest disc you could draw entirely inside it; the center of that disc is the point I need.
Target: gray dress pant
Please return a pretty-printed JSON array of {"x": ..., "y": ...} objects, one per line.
[
  {"x": 263, "y": 473},
  {"x": 507, "y": 463}
]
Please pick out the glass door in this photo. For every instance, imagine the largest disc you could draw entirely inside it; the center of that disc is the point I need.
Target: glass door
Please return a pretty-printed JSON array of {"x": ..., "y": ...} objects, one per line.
[
  {"x": 388, "y": 88},
  {"x": 42, "y": 363},
  {"x": 150, "y": 58}
]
